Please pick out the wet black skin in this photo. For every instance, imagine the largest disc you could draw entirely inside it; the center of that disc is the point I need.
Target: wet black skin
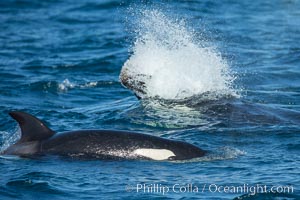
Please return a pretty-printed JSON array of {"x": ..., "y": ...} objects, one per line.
[{"x": 38, "y": 139}]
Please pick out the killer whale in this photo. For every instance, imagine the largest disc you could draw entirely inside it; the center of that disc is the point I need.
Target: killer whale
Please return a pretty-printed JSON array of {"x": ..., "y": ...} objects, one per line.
[{"x": 37, "y": 140}]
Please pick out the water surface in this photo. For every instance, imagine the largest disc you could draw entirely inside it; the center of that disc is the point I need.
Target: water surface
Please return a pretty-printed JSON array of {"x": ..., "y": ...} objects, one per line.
[{"x": 61, "y": 60}]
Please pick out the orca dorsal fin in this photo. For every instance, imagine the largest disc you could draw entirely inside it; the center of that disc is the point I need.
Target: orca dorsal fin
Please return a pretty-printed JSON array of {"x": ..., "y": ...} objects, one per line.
[{"x": 32, "y": 129}]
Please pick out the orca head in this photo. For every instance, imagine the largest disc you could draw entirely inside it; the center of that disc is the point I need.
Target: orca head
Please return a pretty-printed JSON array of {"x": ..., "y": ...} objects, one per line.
[
  {"x": 186, "y": 151},
  {"x": 33, "y": 131},
  {"x": 135, "y": 83}
]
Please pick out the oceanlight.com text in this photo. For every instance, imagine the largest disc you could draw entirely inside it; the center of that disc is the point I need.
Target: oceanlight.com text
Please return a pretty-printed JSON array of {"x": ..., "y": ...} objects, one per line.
[{"x": 211, "y": 188}]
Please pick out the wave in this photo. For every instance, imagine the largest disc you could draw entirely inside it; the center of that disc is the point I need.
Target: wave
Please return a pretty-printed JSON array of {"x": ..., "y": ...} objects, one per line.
[{"x": 66, "y": 85}]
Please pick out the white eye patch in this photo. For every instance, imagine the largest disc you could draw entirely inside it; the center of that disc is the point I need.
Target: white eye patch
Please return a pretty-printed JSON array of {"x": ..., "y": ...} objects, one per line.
[{"x": 154, "y": 154}]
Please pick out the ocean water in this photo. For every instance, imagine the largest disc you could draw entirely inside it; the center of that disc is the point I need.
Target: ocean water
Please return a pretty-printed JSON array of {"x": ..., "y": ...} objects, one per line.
[{"x": 224, "y": 75}]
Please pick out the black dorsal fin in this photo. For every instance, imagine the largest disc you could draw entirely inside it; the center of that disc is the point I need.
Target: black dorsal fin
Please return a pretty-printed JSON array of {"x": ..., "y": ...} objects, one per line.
[{"x": 32, "y": 129}]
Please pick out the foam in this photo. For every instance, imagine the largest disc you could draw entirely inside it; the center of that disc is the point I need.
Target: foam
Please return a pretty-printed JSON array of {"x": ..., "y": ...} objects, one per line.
[{"x": 66, "y": 85}]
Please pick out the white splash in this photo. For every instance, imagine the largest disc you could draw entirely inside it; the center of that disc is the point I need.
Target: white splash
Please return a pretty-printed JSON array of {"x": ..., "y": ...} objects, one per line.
[
  {"x": 223, "y": 153},
  {"x": 65, "y": 85},
  {"x": 174, "y": 64}
]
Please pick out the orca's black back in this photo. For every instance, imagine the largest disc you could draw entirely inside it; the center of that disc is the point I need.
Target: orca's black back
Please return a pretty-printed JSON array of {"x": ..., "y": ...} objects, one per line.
[{"x": 106, "y": 142}]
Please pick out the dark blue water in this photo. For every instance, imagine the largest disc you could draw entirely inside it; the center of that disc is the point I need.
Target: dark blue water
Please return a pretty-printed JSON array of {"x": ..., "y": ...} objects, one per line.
[{"x": 61, "y": 60}]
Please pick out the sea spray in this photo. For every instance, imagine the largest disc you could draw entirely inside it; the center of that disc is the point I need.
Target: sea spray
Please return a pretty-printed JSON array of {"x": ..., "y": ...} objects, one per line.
[
  {"x": 8, "y": 138},
  {"x": 171, "y": 62}
]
